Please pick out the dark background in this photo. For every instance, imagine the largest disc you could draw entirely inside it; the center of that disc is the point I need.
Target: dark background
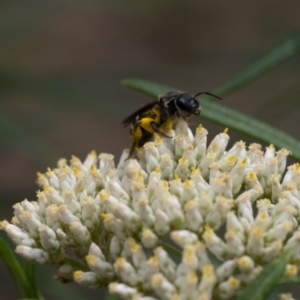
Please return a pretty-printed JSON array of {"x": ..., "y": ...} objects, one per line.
[{"x": 61, "y": 63}]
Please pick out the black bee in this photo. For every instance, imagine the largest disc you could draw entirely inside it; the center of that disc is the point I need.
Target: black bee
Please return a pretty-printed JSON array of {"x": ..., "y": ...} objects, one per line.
[{"x": 158, "y": 116}]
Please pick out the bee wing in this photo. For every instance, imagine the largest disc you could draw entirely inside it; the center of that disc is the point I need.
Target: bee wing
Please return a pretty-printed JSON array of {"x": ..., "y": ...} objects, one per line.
[{"x": 132, "y": 117}]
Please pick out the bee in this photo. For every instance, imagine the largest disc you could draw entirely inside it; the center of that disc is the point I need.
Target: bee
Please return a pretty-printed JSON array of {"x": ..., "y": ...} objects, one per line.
[{"x": 159, "y": 115}]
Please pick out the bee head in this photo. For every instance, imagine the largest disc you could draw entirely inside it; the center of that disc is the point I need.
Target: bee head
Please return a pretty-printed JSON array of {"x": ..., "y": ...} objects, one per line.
[{"x": 188, "y": 104}]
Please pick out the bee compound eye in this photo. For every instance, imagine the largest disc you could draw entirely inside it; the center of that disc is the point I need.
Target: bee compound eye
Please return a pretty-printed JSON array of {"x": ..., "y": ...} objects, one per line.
[{"x": 183, "y": 104}]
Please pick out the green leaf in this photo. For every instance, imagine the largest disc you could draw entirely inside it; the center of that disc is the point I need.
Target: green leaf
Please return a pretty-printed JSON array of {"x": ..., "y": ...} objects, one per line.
[
  {"x": 268, "y": 62},
  {"x": 23, "y": 286},
  {"x": 262, "y": 286},
  {"x": 290, "y": 280},
  {"x": 228, "y": 118}
]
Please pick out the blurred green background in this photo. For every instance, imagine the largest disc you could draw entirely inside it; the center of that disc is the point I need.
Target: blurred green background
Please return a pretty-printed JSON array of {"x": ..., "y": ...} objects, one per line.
[{"x": 61, "y": 63}]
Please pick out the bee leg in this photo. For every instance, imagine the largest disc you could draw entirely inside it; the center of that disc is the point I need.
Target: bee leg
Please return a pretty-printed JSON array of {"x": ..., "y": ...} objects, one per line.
[
  {"x": 131, "y": 151},
  {"x": 155, "y": 127}
]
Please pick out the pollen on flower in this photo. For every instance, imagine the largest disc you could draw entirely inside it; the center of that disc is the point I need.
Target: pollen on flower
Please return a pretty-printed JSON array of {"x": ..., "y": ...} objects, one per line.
[
  {"x": 104, "y": 195},
  {"x": 153, "y": 261},
  {"x": 208, "y": 233},
  {"x": 192, "y": 278},
  {"x": 208, "y": 272},
  {"x": 225, "y": 130},
  {"x": 231, "y": 159},
  {"x": 183, "y": 161},
  {"x": 242, "y": 162},
  {"x": 78, "y": 275},
  {"x": 250, "y": 176},
  {"x": 291, "y": 271},
  {"x": 120, "y": 263},
  {"x": 245, "y": 263},
  {"x": 47, "y": 189},
  {"x": 257, "y": 233},
  {"x": 234, "y": 282},
  {"x": 90, "y": 259}
]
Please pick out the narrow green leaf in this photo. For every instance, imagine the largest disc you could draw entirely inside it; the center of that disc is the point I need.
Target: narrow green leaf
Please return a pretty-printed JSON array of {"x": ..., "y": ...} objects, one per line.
[
  {"x": 227, "y": 117},
  {"x": 290, "y": 280},
  {"x": 22, "y": 284},
  {"x": 170, "y": 249},
  {"x": 30, "y": 272},
  {"x": 262, "y": 286},
  {"x": 275, "y": 57}
]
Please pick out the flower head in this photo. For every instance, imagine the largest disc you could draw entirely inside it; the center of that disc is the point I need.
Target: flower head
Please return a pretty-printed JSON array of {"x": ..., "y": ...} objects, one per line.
[{"x": 93, "y": 220}]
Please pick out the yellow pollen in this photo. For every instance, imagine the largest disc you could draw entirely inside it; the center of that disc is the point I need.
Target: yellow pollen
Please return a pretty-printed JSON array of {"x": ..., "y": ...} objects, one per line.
[
  {"x": 77, "y": 172},
  {"x": 158, "y": 139},
  {"x": 157, "y": 280},
  {"x": 208, "y": 272},
  {"x": 140, "y": 177},
  {"x": 244, "y": 262},
  {"x": 49, "y": 172},
  {"x": 104, "y": 195},
  {"x": 189, "y": 255},
  {"x": 78, "y": 275},
  {"x": 191, "y": 205},
  {"x": 251, "y": 176},
  {"x": 157, "y": 170},
  {"x": 39, "y": 175},
  {"x": 188, "y": 183},
  {"x": 231, "y": 159},
  {"x": 214, "y": 146},
  {"x": 104, "y": 216},
  {"x": 93, "y": 154},
  {"x": 120, "y": 262},
  {"x": 257, "y": 232},
  {"x": 243, "y": 162},
  {"x": 297, "y": 167},
  {"x": 192, "y": 278},
  {"x": 176, "y": 177},
  {"x": 138, "y": 186},
  {"x": 134, "y": 247},
  {"x": 199, "y": 128},
  {"x": 208, "y": 233},
  {"x": 234, "y": 282},
  {"x": 165, "y": 185},
  {"x": 291, "y": 271},
  {"x": 263, "y": 216},
  {"x": 47, "y": 189},
  {"x": 143, "y": 203},
  {"x": 225, "y": 130},
  {"x": 183, "y": 161},
  {"x": 90, "y": 259},
  {"x": 153, "y": 261}
]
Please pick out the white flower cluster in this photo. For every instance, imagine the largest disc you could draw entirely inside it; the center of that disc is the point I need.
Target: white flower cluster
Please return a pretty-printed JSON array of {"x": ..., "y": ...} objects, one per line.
[{"x": 228, "y": 213}]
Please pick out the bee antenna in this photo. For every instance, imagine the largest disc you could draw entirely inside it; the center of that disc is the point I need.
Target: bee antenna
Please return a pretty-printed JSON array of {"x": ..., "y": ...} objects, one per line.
[{"x": 206, "y": 93}]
